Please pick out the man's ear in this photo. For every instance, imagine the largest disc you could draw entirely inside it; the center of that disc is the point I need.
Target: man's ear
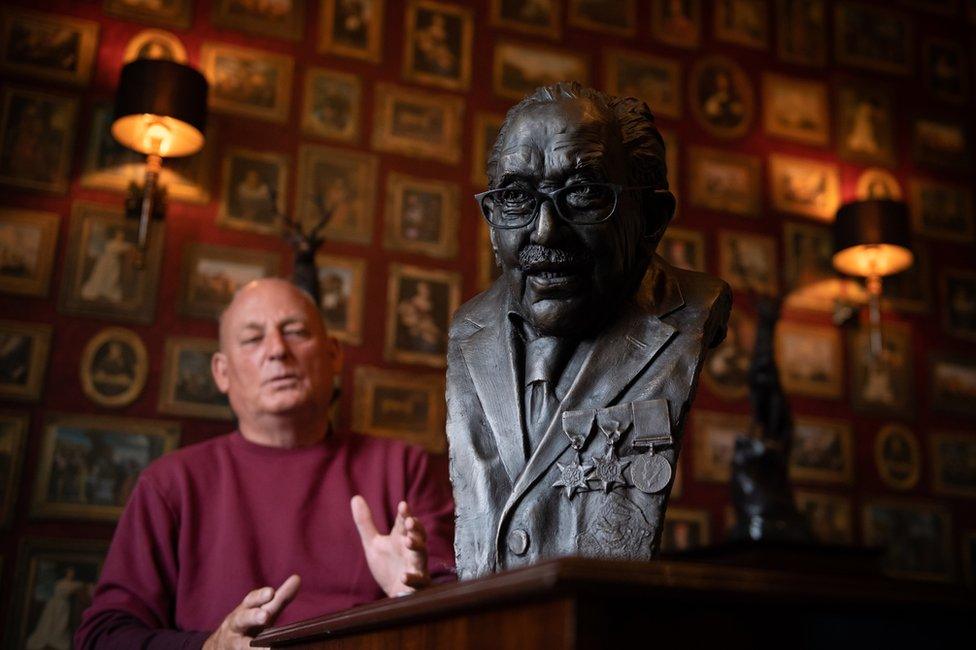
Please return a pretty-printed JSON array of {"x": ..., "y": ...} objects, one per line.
[
  {"x": 662, "y": 205},
  {"x": 335, "y": 354},
  {"x": 218, "y": 368}
]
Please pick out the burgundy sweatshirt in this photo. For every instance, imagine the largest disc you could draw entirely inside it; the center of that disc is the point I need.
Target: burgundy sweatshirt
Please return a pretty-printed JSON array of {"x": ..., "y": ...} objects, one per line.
[{"x": 209, "y": 523}]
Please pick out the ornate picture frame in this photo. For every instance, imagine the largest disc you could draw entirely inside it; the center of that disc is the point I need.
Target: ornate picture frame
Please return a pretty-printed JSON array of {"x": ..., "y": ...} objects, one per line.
[
  {"x": 897, "y": 456},
  {"x": 348, "y": 34},
  {"x": 887, "y": 388},
  {"x": 421, "y": 215},
  {"x": 865, "y": 122},
  {"x": 403, "y": 405},
  {"x": 721, "y": 97},
  {"x": 941, "y": 210},
  {"x": 437, "y": 45},
  {"x": 889, "y": 48},
  {"x": 952, "y": 382},
  {"x": 254, "y": 192},
  {"x": 615, "y": 17},
  {"x": 114, "y": 366},
  {"x": 417, "y": 123},
  {"x": 332, "y": 104},
  {"x": 748, "y": 261},
  {"x": 263, "y": 19},
  {"x": 28, "y": 243},
  {"x": 810, "y": 360},
  {"x": 725, "y": 371},
  {"x": 822, "y": 451},
  {"x": 803, "y": 186},
  {"x": 519, "y": 68},
  {"x": 342, "y": 181},
  {"x": 34, "y": 41},
  {"x": 231, "y": 69},
  {"x": 742, "y": 22},
  {"x": 419, "y": 306},
  {"x": 725, "y": 181},
  {"x": 678, "y": 30},
  {"x": 187, "y": 387},
  {"x": 877, "y": 183},
  {"x": 342, "y": 289},
  {"x": 547, "y": 22},
  {"x": 210, "y": 274},
  {"x": 952, "y": 473},
  {"x": 24, "y": 350},
  {"x": 713, "y": 438},
  {"x": 796, "y": 109},
  {"x": 930, "y": 555},
  {"x": 177, "y": 13},
  {"x": 42, "y": 124},
  {"x": 942, "y": 142},
  {"x": 656, "y": 80},
  {"x": 155, "y": 44}
]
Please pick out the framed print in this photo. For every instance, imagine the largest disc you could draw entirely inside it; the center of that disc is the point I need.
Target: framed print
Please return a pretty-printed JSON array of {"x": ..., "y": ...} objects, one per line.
[
  {"x": 917, "y": 537},
  {"x": 24, "y": 349},
  {"x": 254, "y": 191},
  {"x": 488, "y": 268},
  {"x": 810, "y": 360},
  {"x": 808, "y": 273},
  {"x": 941, "y": 143},
  {"x": 421, "y": 215},
  {"x": 897, "y": 457},
  {"x": 28, "y": 241},
  {"x": 801, "y": 29},
  {"x": 405, "y": 405},
  {"x": 865, "y": 123},
  {"x": 911, "y": 290},
  {"x": 114, "y": 366},
  {"x": 101, "y": 276},
  {"x": 339, "y": 185},
  {"x": 417, "y": 123},
  {"x": 748, "y": 261},
  {"x": 725, "y": 181},
  {"x": 351, "y": 29},
  {"x": 519, "y": 68},
  {"x": 167, "y": 13},
  {"x": 941, "y": 210},
  {"x": 89, "y": 464},
  {"x": 188, "y": 388},
  {"x": 952, "y": 378},
  {"x": 873, "y": 38},
  {"x": 211, "y": 274},
  {"x": 726, "y": 368},
  {"x": 37, "y": 133},
  {"x": 685, "y": 529},
  {"x": 877, "y": 183},
  {"x": 677, "y": 22},
  {"x": 281, "y": 19},
  {"x": 714, "y": 443},
  {"x": 953, "y": 464},
  {"x": 683, "y": 248},
  {"x": 419, "y": 306},
  {"x": 802, "y": 186},
  {"x": 538, "y": 18},
  {"x": 56, "y": 576},
  {"x": 48, "y": 47},
  {"x": 884, "y": 385},
  {"x": 617, "y": 17},
  {"x": 830, "y": 516},
  {"x": 342, "y": 282},
  {"x": 332, "y": 104},
  {"x": 654, "y": 79},
  {"x": 248, "y": 82},
  {"x": 155, "y": 44},
  {"x": 796, "y": 109},
  {"x": 13, "y": 435},
  {"x": 959, "y": 302},
  {"x": 945, "y": 69},
  {"x": 823, "y": 451},
  {"x": 437, "y": 46},
  {"x": 743, "y": 22},
  {"x": 721, "y": 97},
  {"x": 486, "y": 128}
]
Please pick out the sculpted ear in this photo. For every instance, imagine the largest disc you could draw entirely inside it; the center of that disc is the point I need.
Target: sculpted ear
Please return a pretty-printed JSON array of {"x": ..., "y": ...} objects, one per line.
[
  {"x": 218, "y": 368},
  {"x": 662, "y": 205}
]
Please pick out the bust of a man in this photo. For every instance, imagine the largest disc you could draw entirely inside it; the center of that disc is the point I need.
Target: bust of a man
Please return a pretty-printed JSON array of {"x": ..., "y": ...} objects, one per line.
[{"x": 569, "y": 379}]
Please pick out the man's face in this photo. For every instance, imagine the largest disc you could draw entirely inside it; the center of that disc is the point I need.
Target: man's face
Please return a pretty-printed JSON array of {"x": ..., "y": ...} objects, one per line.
[
  {"x": 566, "y": 278},
  {"x": 276, "y": 357}
]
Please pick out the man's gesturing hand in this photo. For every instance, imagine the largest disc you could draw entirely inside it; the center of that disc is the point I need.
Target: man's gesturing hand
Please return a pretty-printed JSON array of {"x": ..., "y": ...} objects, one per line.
[
  {"x": 398, "y": 561},
  {"x": 258, "y": 609}
]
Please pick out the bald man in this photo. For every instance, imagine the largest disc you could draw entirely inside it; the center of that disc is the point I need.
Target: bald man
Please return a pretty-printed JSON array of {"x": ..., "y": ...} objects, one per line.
[{"x": 275, "y": 522}]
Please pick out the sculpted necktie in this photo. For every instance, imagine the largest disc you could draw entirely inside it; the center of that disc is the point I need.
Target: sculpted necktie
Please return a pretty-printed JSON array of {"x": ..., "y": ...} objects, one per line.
[{"x": 541, "y": 359}]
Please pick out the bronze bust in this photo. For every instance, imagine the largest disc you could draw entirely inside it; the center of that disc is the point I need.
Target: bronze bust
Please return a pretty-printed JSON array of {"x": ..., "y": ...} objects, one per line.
[{"x": 569, "y": 379}]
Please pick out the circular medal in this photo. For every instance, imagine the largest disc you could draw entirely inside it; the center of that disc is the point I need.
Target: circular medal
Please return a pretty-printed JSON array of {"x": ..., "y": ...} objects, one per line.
[{"x": 650, "y": 473}]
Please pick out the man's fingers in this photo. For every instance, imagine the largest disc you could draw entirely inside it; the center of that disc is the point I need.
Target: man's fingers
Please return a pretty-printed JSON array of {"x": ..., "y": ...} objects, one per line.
[
  {"x": 282, "y": 596},
  {"x": 416, "y": 580},
  {"x": 258, "y": 597},
  {"x": 415, "y": 542},
  {"x": 413, "y": 525},
  {"x": 363, "y": 516},
  {"x": 244, "y": 619},
  {"x": 399, "y": 523}
]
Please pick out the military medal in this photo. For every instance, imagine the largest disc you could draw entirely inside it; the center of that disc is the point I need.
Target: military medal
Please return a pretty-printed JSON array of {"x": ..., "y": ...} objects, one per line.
[
  {"x": 578, "y": 427},
  {"x": 573, "y": 477},
  {"x": 609, "y": 470},
  {"x": 650, "y": 473}
]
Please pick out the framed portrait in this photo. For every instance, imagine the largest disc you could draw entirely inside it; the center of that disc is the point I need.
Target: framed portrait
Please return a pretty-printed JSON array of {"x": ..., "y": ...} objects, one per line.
[
  {"x": 945, "y": 69},
  {"x": 114, "y": 366},
  {"x": 13, "y": 434},
  {"x": 911, "y": 290},
  {"x": 37, "y": 133},
  {"x": 882, "y": 385},
  {"x": 958, "y": 288},
  {"x": 56, "y": 576},
  {"x": 188, "y": 388},
  {"x": 155, "y": 44},
  {"x": 89, "y": 464},
  {"x": 488, "y": 268},
  {"x": 254, "y": 191},
  {"x": 801, "y": 30},
  {"x": 50, "y": 47},
  {"x": 248, "y": 82},
  {"x": 677, "y": 22},
  {"x": 342, "y": 282},
  {"x": 281, "y": 19},
  {"x": 24, "y": 349},
  {"x": 830, "y": 516},
  {"x": 714, "y": 443},
  {"x": 421, "y": 215},
  {"x": 726, "y": 369},
  {"x": 419, "y": 306},
  {"x": 210, "y": 274},
  {"x": 28, "y": 241},
  {"x": 897, "y": 457},
  {"x": 952, "y": 378},
  {"x": 865, "y": 123},
  {"x": 340, "y": 184},
  {"x": 808, "y": 272},
  {"x": 941, "y": 143},
  {"x": 654, "y": 79},
  {"x": 437, "y": 47},
  {"x": 685, "y": 529},
  {"x": 953, "y": 457},
  {"x": 167, "y": 13},
  {"x": 486, "y": 128},
  {"x": 916, "y": 536},
  {"x": 725, "y": 181},
  {"x": 823, "y": 451},
  {"x": 616, "y": 17},
  {"x": 683, "y": 248},
  {"x": 539, "y": 18},
  {"x": 721, "y": 97},
  {"x": 748, "y": 261},
  {"x": 796, "y": 109},
  {"x": 873, "y": 38},
  {"x": 941, "y": 210},
  {"x": 802, "y": 186},
  {"x": 743, "y": 22},
  {"x": 332, "y": 104},
  {"x": 101, "y": 276},
  {"x": 810, "y": 360},
  {"x": 877, "y": 183},
  {"x": 351, "y": 29},
  {"x": 405, "y": 405},
  {"x": 418, "y": 123},
  {"x": 519, "y": 68}
]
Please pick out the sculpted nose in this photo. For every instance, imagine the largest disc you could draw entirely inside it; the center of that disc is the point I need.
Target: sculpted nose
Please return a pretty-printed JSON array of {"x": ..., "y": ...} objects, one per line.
[{"x": 547, "y": 223}]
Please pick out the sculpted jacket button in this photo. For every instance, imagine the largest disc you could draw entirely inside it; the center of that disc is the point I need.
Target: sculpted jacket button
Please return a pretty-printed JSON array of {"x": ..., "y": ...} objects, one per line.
[{"x": 518, "y": 541}]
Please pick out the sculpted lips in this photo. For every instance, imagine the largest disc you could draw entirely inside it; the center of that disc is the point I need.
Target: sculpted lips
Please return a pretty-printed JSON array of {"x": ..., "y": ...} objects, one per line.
[{"x": 553, "y": 269}]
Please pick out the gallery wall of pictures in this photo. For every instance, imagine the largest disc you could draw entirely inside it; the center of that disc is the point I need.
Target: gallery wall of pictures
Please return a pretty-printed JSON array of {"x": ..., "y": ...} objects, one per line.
[{"x": 381, "y": 113}]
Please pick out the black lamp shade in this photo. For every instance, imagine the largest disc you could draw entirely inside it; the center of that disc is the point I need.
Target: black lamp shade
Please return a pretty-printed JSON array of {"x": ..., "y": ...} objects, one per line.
[{"x": 872, "y": 238}]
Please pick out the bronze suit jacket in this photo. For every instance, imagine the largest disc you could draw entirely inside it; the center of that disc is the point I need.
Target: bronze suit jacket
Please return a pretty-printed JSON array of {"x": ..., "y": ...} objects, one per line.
[{"x": 508, "y": 512}]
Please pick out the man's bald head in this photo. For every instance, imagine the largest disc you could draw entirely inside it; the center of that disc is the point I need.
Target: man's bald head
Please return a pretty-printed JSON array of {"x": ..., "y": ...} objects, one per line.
[{"x": 257, "y": 291}]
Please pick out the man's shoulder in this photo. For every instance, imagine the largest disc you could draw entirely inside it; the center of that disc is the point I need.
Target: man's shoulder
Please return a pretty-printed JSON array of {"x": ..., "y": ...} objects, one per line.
[
  {"x": 374, "y": 451},
  {"x": 192, "y": 459},
  {"x": 479, "y": 311},
  {"x": 707, "y": 303}
]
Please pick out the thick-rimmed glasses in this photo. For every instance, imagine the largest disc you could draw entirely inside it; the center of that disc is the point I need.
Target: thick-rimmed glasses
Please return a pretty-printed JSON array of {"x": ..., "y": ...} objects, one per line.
[{"x": 579, "y": 204}]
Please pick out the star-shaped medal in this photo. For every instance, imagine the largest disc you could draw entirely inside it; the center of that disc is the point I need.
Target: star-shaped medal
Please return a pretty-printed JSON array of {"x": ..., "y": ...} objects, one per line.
[
  {"x": 573, "y": 476},
  {"x": 609, "y": 470}
]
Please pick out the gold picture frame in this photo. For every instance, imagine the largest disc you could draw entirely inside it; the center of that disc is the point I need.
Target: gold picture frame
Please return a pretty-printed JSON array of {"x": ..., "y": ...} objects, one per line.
[
  {"x": 187, "y": 387},
  {"x": 952, "y": 383},
  {"x": 254, "y": 193},
  {"x": 210, "y": 274},
  {"x": 14, "y": 428},
  {"x": 28, "y": 242},
  {"x": 231, "y": 69},
  {"x": 520, "y": 68},
  {"x": 897, "y": 457},
  {"x": 725, "y": 182},
  {"x": 888, "y": 388},
  {"x": 831, "y": 516},
  {"x": 721, "y": 97},
  {"x": 822, "y": 451},
  {"x": 803, "y": 186},
  {"x": 713, "y": 440},
  {"x": 808, "y": 273},
  {"x": 809, "y": 47},
  {"x": 725, "y": 371},
  {"x": 796, "y": 109},
  {"x": 930, "y": 558},
  {"x": 654, "y": 79},
  {"x": 178, "y": 13},
  {"x": 504, "y": 14},
  {"x": 421, "y": 215},
  {"x": 417, "y": 123},
  {"x": 617, "y": 17},
  {"x": 952, "y": 473},
  {"x": 342, "y": 282},
  {"x": 331, "y": 104},
  {"x": 743, "y": 22},
  {"x": 437, "y": 46},
  {"x": 44, "y": 125},
  {"x": 877, "y": 183},
  {"x": 23, "y": 359},
  {"x": 683, "y": 31},
  {"x": 419, "y": 306},
  {"x": 810, "y": 360},
  {"x": 941, "y": 210},
  {"x": 748, "y": 261},
  {"x": 942, "y": 142},
  {"x": 25, "y": 33},
  {"x": 403, "y": 405},
  {"x": 894, "y": 36},
  {"x": 864, "y": 114},
  {"x": 114, "y": 366},
  {"x": 342, "y": 181},
  {"x": 290, "y": 26},
  {"x": 154, "y": 44},
  {"x": 359, "y": 42}
]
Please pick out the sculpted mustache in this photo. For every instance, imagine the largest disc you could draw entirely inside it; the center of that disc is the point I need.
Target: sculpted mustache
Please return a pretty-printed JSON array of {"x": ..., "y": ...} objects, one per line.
[{"x": 534, "y": 257}]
